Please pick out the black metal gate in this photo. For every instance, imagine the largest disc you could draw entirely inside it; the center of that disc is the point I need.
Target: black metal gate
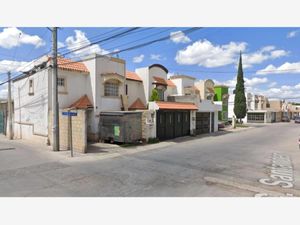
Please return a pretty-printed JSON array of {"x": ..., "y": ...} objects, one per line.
[
  {"x": 212, "y": 123},
  {"x": 172, "y": 123},
  {"x": 202, "y": 122}
]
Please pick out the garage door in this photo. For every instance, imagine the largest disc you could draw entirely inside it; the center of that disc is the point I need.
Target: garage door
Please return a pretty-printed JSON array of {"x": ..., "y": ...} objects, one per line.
[
  {"x": 172, "y": 124},
  {"x": 255, "y": 117},
  {"x": 202, "y": 122}
]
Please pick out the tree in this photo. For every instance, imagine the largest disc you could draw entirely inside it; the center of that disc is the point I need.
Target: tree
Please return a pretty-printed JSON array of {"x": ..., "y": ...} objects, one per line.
[
  {"x": 240, "y": 107},
  {"x": 154, "y": 95}
]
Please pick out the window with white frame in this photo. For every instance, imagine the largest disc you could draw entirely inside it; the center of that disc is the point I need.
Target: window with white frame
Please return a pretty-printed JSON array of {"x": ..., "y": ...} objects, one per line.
[
  {"x": 111, "y": 88},
  {"x": 31, "y": 91}
]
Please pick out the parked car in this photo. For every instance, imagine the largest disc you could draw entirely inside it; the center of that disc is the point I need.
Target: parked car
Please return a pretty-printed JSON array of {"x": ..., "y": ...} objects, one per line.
[
  {"x": 221, "y": 125},
  {"x": 297, "y": 119},
  {"x": 285, "y": 119}
]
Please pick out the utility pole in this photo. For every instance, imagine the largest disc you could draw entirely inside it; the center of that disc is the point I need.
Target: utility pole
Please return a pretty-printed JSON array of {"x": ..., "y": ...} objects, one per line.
[
  {"x": 10, "y": 127},
  {"x": 55, "y": 118}
]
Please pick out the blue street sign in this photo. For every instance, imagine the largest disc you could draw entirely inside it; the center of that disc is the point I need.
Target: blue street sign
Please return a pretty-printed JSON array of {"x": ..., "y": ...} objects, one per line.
[{"x": 69, "y": 113}]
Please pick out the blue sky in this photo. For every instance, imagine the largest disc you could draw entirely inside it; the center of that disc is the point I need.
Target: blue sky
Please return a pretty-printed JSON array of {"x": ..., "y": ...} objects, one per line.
[{"x": 271, "y": 56}]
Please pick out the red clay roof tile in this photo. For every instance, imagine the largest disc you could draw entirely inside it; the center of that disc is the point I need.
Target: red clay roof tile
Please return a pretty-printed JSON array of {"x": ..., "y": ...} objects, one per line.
[
  {"x": 176, "y": 105},
  {"x": 82, "y": 103},
  {"x": 137, "y": 104},
  {"x": 133, "y": 76},
  {"x": 170, "y": 83},
  {"x": 159, "y": 80}
]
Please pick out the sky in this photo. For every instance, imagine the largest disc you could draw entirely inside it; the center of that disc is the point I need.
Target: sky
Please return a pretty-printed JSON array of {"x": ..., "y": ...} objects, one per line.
[{"x": 271, "y": 56}]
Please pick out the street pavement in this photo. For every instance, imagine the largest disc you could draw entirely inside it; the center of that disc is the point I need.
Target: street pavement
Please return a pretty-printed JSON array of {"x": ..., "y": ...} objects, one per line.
[{"x": 225, "y": 164}]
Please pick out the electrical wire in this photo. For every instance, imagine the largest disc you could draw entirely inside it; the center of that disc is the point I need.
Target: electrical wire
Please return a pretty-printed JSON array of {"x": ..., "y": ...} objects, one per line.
[{"x": 102, "y": 40}]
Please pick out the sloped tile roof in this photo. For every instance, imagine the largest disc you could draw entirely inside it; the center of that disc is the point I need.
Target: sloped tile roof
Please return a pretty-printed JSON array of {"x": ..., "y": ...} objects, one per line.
[
  {"x": 159, "y": 80},
  {"x": 133, "y": 76},
  {"x": 137, "y": 104},
  {"x": 68, "y": 64},
  {"x": 82, "y": 103},
  {"x": 170, "y": 83},
  {"x": 176, "y": 105}
]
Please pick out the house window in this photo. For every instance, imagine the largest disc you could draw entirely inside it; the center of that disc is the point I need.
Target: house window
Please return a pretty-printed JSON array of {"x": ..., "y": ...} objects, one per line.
[
  {"x": 60, "y": 82},
  {"x": 31, "y": 92},
  {"x": 111, "y": 88},
  {"x": 126, "y": 89}
]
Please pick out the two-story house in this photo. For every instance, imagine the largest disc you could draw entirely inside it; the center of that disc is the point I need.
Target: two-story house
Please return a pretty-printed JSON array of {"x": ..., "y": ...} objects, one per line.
[{"x": 95, "y": 84}]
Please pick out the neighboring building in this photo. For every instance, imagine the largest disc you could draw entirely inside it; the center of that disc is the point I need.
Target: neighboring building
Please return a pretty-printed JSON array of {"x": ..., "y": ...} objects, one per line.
[
  {"x": 221, "y": 98},
  {"x": 173, "y": 118},
  {"x": 294, "y": 110},
  {"x": 259, "y": 109},
  {"x": 201, "y": 94}
]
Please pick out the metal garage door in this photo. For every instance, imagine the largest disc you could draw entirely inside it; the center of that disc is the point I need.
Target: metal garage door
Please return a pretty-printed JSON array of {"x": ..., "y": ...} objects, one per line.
[
  {"x": 171, "y": 124},
  {"x": 255, "y": 117},
  {"x": 202, "y": 122},
  {"x": 1, "y": 122}
]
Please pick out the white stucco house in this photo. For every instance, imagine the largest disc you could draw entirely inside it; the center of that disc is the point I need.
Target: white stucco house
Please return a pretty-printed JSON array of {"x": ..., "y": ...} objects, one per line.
[{"x": 95, "y": 84}]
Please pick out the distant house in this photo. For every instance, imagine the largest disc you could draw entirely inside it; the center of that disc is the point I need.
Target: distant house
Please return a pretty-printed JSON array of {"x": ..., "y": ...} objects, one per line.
[
  {"x": 221, "y": 98},
  {"x": 259, "y": 109}
]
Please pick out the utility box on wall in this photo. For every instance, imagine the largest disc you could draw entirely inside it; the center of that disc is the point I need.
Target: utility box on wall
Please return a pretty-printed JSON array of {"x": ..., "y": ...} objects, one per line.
[{"x": 121, "y": 126}]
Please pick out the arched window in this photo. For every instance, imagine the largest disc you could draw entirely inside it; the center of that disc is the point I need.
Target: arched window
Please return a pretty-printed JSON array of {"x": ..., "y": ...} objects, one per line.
[{"x": 111, "y": 88}]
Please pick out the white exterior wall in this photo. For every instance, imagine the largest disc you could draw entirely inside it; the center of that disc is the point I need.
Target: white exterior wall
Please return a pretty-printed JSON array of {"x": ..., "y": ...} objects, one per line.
[
  {"x": 31, "y": 111},
  {"x": 179, "y": 86},
  {"x": 135, "y": 90},
  {"x": 75, "y": 87},
  {"x": 144, "y": 75}
]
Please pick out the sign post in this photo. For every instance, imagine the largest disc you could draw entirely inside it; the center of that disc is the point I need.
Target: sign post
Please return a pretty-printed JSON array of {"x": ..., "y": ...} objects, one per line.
[{"x": 70, "y": 114}]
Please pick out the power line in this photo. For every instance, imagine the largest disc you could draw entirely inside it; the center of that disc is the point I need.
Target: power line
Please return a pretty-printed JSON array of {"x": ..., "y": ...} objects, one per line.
[
  {"x": 190, "y": 30},
  {"x": 93, "y": 38},
  {"x": 102, "y": 40}
]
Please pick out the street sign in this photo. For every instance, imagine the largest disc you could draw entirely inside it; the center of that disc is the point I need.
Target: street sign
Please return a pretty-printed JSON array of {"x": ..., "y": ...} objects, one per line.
[{"x": 69, "y": 113}]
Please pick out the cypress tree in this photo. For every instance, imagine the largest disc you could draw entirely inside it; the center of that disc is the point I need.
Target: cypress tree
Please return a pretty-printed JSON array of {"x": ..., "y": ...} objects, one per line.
[{"x": 240, "y": 107}]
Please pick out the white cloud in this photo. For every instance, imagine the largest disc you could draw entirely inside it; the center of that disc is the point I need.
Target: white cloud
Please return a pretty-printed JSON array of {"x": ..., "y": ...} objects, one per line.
[
  {"x": 204, "y": 53},
  {"x": 249, "y": 82},
  {"x": 282, "y": 92},
  {"x": 292, "y": 34},
  {"x": 273, "y": 84},
  {"x": 179, "y": 37},
  {"x": 155, "y": 57},
  {"x": 265, "y": 53},
  {"x": 12, "y": 66},
  {"x": 3, "y": 91},
  {"x": 13, "y": 37},
  {"x": 138, "y": 59},
  {"x": 255, "y": 81},
  {"x": 81, "y": 40},
  {"x": 60, "y": 44},
  {"x": 283, "y": 69}
]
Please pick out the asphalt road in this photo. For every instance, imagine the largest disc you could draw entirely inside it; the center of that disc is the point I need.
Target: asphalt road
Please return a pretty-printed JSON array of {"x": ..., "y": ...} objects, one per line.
[{"x": 228, "y": 164}]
